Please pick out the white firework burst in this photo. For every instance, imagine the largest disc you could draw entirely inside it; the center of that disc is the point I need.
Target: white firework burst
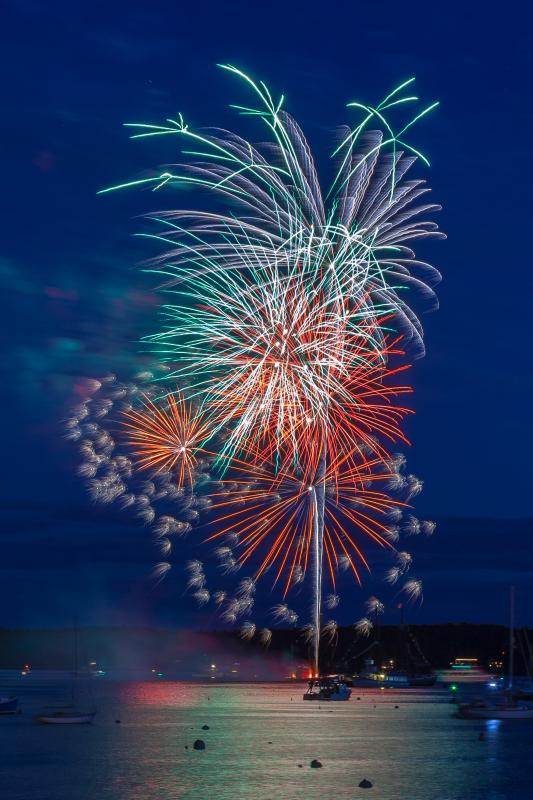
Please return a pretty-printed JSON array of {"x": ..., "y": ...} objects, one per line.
[
  {"x": 160, "y": 570},
  {"x": 332, "y": 601},
  {"x": 282, "y": 613},
  {"x": 248, "y": 630},
  {"x": 364, "y": 626},
  {"x": 219, "y": 597},
  {"x": 329, "y": 630},
  {"x": 265, "y": 636},
  {"x": 374, "y": 606},
  {"x": 411, "y": 525},
  {"x": 428, "y": 527},
  {"x": 393, "y": 574},
  {"x": 413, "y": 589},
  {"x": 202, "y": 596}
]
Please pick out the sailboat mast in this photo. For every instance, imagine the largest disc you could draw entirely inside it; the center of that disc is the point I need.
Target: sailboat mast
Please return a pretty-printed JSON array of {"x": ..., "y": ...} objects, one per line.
[
  {"x": 511, "y": 638},
  {"x": 75, "y": 661}
]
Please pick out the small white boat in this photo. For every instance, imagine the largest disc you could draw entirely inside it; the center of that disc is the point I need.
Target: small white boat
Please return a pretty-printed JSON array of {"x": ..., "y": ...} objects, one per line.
[
  {"x": 329, "y": 688},
  {"x": 68, "y": 714},
  {"x": 66, "y": 717},
  {"x": 9, "y": 705}
]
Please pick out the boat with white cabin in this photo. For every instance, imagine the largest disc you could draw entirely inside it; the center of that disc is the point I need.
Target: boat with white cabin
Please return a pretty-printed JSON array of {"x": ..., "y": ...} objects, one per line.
[{"x": 328, "y": 688}]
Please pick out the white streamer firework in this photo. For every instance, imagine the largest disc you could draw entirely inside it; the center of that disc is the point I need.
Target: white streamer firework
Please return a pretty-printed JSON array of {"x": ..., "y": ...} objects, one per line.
[
  {"x": 265, "y": 636},
  {"x": 413, "y": 589},
  {"x": 281, "y": 332},
  {"x": 364, "y": 626},
  {"x": 282, "y": 613},
  {"x": 374, "y": 606},
  {"x": 248, "y": 630}
]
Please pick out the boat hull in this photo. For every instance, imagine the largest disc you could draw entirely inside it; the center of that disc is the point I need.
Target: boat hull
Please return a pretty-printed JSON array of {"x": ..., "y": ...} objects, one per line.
[
  {"x": 66, "y": 719},
  {"x": 495, "y": 712},
  {"x": 326, "y": 699},
  {"x": 9, "y": 705}
]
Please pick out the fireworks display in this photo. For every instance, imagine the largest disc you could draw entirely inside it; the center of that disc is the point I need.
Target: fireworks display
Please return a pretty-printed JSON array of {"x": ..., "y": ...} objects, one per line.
[{"x": 288, "y": 322}]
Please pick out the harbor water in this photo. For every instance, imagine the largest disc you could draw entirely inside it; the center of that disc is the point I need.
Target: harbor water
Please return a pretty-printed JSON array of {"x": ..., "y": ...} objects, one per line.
[{"x": 259, "y": 745}]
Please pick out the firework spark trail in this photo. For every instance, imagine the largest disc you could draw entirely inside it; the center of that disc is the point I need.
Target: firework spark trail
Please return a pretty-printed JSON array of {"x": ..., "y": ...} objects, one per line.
[
  {"x": 168, "y": 438},
  {"x": 288, "y": 321}
]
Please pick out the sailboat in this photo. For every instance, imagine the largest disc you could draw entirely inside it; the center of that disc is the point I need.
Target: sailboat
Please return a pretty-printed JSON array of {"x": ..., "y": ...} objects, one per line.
[
  {"x": 68, "y": 714},
  {"x": 508, "y": 706}
]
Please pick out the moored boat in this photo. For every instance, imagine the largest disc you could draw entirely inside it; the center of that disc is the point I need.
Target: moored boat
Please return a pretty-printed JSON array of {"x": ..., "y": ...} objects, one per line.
[
  {"x": 69, "y": 714},
  {"x": 66, "y": 717},
  {"x": 9, "y": 705},
  {"x": 332, "y": 687},
  {"x": 505, "y": 705},
  {"x": 486, "y": 710},
  {"x": 371, "y": 675}
]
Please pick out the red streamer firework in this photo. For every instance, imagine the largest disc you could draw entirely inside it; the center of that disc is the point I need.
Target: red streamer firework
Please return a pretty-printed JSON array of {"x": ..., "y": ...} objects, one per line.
[
  {"x": 166, "y": 437},
  {"x": 287, "y": 331}
]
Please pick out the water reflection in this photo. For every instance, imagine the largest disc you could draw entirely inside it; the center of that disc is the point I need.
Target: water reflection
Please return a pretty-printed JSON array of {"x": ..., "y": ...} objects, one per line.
[{"x": 410, "y": 747}]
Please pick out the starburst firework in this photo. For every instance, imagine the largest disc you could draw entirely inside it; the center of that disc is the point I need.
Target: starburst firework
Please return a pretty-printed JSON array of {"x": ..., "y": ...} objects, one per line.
[{"x": 285, "y": 331}]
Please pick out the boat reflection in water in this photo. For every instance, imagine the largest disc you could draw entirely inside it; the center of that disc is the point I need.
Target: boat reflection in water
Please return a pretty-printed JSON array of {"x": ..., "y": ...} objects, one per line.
[{"x": 330, "y": 687}]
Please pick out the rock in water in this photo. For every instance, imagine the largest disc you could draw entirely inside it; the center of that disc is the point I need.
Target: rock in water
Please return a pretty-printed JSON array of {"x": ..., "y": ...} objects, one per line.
[
  {"x": 316, "y": 764},
  {"x": 205, "y": 727},
  {"x": 199, "y": 744},
  {"x": 365, "y": 784}
]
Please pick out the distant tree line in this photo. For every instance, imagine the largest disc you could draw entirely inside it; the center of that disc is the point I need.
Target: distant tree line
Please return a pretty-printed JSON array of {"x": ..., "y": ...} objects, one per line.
[{"x": 134, "y": 647}]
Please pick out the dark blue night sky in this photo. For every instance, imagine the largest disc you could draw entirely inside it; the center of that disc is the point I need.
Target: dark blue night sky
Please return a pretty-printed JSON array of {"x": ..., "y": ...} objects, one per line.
[{"x": 74, "y": 302}]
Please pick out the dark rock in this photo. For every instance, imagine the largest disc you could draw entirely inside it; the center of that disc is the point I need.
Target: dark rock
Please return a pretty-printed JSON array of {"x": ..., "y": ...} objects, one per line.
[
  {"x": 269, "y": 742},
  {"x": 199, "y": 744},
  {"x": 205, "y": 727},
  {"x": 300, "y": 766},
  {"x": 117, "y": 722},
  {"x": 315, "y": 764},
  {"x": 186, "y": 746},
  {"x": 396, "y": 706},
  {"x": 365, "y": 784}
]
